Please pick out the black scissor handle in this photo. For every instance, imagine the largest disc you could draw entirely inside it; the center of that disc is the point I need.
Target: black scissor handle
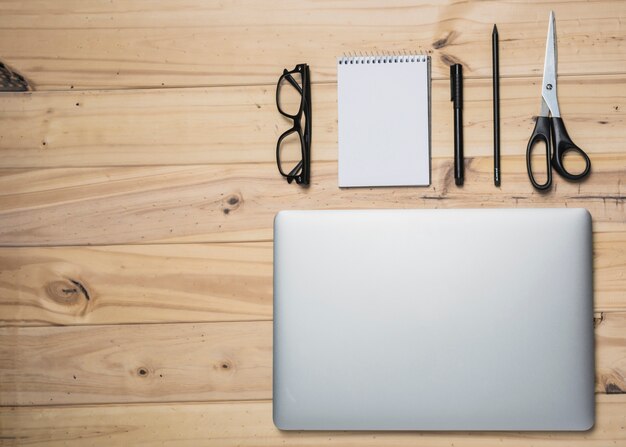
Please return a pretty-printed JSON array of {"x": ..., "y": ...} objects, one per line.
[
  {"x": 562, "y": 144},
  {"x": 541, "y": 134}
]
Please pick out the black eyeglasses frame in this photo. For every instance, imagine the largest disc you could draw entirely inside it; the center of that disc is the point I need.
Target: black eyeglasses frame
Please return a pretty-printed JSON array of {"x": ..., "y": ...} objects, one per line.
[{"x": 301, "y": 173}]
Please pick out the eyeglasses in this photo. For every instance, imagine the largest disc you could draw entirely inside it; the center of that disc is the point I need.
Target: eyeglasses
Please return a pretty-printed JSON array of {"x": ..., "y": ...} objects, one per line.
[{"x": 293, "y": 149}]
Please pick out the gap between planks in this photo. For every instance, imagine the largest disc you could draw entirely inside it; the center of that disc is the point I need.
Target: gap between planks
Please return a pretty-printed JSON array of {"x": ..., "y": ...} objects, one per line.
[{"x": 156, "y": 88}]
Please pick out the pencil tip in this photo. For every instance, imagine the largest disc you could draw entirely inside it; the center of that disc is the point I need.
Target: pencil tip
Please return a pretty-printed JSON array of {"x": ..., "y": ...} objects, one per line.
[{"x": 495, "y": 29}]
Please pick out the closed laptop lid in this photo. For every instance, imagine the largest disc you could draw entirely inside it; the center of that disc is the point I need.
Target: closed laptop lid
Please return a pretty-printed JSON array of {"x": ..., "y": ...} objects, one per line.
[{"x": 433, "y": 320}]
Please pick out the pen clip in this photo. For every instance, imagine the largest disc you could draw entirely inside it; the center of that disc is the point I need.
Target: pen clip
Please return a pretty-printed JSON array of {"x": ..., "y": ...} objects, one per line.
[
  {"x": 456, "y": 87},
  {"x": 452, "y": 82}
]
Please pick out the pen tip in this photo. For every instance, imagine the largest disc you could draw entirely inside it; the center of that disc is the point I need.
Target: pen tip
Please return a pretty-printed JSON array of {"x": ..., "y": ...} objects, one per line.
[{"x": 495, "y": 29}]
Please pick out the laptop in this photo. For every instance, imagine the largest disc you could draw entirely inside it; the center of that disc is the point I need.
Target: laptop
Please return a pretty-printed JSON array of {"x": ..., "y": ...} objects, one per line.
[{"x": 433, "y": 320}]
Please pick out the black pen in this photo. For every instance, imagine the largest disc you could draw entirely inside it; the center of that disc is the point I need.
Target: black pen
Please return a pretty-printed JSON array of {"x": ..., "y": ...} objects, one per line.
[
  {"x": 456, "y": 87},
  {"x": 495, "y": 56}
]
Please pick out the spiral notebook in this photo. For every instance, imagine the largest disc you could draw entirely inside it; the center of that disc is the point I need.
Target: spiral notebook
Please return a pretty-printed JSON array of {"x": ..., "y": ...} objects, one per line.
[{"x": 384, "y": 120}]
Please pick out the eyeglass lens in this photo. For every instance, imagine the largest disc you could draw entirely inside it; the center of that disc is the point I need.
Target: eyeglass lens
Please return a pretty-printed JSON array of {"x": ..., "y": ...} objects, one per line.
[
  {"x": 290, "y": 154},
  {"x": 289, "y": 97}
]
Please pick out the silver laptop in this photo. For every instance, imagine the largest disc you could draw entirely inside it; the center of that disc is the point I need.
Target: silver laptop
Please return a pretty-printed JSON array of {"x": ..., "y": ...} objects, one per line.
[{"x": 433, "y": 320}]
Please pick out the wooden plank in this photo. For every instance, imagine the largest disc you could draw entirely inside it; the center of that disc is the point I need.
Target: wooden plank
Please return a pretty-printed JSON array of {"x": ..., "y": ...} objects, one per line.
[
  {"x": 135, "y": 363},
  {"x": 97, "y": 44},
  {"x": 137, "y": 284},
  {"x": 241, "y": 124},
  {"x": 609, "y": 266},
  {"x": 250, "y": 424},
  {"x": 610, "y": 340},
  {"x": 99, "y": 206},
  {"x": 42, "y": 286},
  {"x": 184, "y": 362}
]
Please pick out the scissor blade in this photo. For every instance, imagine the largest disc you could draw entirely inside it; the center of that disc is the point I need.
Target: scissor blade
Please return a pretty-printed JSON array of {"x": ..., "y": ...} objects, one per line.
[{"x": 548, "y": 89}]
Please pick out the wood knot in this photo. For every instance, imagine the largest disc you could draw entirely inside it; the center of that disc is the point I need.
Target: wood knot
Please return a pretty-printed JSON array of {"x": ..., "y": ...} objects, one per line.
[
  {"x": 224, "y": 365},
  {"x": 597, "y": 320},
  {"x": 448, "y": 59},
  {"x": 142, "y": 371},
  {"x": 68, "y": 292},
  {"x": 445, "y": 41},
  {"x": 612, "y": 388},
  {"x": 231, "y": 203}
]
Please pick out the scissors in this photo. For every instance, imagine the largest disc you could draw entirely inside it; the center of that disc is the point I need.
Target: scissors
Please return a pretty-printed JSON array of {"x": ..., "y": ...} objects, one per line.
[{"x": 551, "y": 130}]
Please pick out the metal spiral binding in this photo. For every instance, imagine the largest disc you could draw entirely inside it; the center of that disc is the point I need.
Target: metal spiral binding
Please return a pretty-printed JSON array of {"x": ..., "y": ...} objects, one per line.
[{"x": 384, "y": 58}]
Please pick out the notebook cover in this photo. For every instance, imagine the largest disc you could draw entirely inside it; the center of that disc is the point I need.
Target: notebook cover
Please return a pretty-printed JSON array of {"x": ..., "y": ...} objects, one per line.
[{"x": 384, "y": 121}]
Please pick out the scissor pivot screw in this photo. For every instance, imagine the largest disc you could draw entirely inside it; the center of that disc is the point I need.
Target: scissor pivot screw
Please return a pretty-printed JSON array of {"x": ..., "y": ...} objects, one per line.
[{"x": 549, "y": 86}]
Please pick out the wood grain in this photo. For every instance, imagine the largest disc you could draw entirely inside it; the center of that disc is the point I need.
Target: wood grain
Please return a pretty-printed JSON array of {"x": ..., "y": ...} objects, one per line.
[
  {"x": 136, "y": 363},
  {"x": 609, "y": 267},
  {"x": 241, "y": 124},
  {"x": 610, "y": 344},
  {"x": 184, "y": 362},
  {"x": 138, "y": 284},
  {"x": 42, "y": 286},
  {"x": 166, "y": 169},
  {"x": 79, "y": 206},
  {"x": 249, "y": 424},
  {"x": 97, "y": 44}
]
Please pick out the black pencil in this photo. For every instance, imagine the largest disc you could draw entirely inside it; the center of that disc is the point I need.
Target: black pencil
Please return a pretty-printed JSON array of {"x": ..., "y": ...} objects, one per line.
[{"x": 496, "y": 105}]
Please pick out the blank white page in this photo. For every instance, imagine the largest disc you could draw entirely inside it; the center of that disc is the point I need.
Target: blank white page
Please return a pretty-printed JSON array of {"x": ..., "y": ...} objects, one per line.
[{"x": 384, "y": 121}]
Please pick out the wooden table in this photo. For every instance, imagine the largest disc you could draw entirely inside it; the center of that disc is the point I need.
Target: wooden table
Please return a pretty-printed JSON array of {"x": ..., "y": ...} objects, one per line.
[{"x": 138, "y": 187}]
